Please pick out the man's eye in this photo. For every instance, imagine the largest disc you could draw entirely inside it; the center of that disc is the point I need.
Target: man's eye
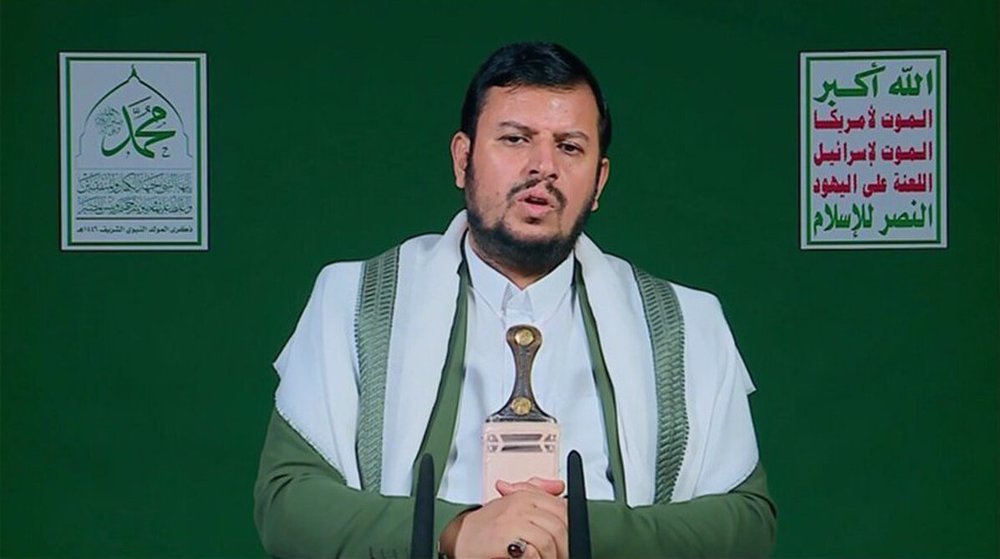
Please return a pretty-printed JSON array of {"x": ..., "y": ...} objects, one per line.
[
  {"x": 513, "y": 140},
  {"x": 571, "y": 149}
]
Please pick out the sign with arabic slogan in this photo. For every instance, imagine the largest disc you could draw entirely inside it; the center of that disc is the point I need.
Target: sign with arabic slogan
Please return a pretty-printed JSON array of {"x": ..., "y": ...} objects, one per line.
[
  {"x": 134, "y": 151},
  {"x": 873, "y": 154}
]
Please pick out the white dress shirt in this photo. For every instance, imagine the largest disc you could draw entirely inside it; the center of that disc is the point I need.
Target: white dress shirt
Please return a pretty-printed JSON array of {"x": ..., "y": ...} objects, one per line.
[{"x": 562, "y": 378}]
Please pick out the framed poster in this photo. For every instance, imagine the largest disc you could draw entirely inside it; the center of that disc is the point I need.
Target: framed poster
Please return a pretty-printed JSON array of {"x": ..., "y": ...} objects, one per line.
[
  {"x": 873, "y": 150},
  {"x": 134, "y": 138}
]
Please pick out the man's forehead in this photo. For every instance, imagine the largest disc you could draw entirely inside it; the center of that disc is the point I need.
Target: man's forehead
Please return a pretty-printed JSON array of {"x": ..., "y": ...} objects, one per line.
[{"x": 574, "y": 104}]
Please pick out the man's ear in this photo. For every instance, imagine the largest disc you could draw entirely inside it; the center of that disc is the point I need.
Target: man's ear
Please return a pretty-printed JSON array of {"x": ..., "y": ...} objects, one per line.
[
  {"x": 603, "y": 170},
  {"x": 460, "y": 145}
]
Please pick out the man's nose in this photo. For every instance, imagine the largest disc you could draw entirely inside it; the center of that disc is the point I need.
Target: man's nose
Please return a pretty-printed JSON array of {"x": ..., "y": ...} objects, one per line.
[{"x": 544, "y": 163}]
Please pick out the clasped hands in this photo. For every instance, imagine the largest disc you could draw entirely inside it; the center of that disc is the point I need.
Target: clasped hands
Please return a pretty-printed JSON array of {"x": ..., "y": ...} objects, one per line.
[{"x": 532, "y": 511}]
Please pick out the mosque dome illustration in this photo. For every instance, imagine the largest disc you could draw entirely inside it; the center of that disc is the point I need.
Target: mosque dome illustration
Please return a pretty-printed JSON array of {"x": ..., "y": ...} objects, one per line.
[{"x": 134, "y": 125}]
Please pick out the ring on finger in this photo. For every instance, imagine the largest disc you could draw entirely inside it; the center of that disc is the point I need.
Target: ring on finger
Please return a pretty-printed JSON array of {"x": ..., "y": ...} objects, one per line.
[{"x": 516, "y": 548}]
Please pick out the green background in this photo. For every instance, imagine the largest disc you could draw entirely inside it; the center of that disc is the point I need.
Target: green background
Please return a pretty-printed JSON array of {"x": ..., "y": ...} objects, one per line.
[{"x": 136, "y": 386}]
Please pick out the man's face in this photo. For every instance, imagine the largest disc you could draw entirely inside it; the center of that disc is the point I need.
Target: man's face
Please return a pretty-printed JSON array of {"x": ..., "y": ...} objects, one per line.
[{"x": 535, "y": 170}]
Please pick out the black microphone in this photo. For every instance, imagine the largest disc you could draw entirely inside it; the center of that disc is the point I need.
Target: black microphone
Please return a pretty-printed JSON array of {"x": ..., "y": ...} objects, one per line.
[
  {"x": 579, "y": 520},
  {"x": 422, "y": 541}
]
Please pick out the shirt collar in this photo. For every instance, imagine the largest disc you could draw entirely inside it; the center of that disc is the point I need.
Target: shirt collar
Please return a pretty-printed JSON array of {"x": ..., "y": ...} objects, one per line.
[{"x": 538, "y": 301}]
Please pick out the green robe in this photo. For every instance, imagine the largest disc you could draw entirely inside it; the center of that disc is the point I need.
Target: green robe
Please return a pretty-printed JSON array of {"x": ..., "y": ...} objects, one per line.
[{"x": 303, "y": 507}]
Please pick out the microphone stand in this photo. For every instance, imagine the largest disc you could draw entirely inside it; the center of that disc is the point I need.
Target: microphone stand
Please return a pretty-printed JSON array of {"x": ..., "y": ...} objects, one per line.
[
  {"x": 422, "y": 541},
  {"x": 579, "y": 520}
]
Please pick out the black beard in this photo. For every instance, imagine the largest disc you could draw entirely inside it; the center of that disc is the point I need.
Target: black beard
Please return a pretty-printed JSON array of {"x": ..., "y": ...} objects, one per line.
[{"x": 527, "y": 257}]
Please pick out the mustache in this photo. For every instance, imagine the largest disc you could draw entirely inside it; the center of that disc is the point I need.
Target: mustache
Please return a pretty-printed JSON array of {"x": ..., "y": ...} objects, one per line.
[{"x": 529, "y": 183}]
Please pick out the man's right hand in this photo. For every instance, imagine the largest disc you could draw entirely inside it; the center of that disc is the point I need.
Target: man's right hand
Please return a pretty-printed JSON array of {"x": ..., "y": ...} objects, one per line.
[{"x": 531, "y": 511}]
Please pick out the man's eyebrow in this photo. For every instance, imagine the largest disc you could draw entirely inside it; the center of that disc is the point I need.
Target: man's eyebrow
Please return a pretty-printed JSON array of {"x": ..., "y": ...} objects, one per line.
[
  {"x": 572, "y": 134},
  {"x": 521, "y": 127}
]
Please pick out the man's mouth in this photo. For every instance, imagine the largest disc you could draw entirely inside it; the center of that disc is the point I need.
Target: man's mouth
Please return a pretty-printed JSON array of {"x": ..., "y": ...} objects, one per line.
[
  {"x": 536, "y": 199},
  {"x": 538, "y": 195},
  {"x": 538, "y": 202}
]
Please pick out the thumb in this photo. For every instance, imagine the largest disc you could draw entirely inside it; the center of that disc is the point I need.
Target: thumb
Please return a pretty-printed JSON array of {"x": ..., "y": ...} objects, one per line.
[
  {"x": 505, "y": 488},
  {"x": 551, "y": 486}
]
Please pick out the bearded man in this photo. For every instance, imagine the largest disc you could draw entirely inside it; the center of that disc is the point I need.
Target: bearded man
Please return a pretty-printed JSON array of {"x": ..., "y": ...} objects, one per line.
[{"x": 405, "y": 354}]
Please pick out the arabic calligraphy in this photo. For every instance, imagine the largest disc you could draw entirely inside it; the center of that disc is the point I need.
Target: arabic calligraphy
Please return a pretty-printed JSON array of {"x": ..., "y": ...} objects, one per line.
[
  {"x": 133, "y": 193},
  {"x": 896, "y": 122},
  {"x": 872, "y": 148},
  {"x": 862, "y": 89},
  {"x": 134, "y": 229},
  {"x": 135, "y": 134},
  {"x": 133, "y": 205},
  {"x": 133, "y": 182},
  {"x": 135, "y": 152},
  {"x": 831, "y": 216},
  {"x": 860, "y": 217},
  {"x": 841, "y": 152},
  {"x": 921, "y": 182},
  {"x": 866, "y": 83}
]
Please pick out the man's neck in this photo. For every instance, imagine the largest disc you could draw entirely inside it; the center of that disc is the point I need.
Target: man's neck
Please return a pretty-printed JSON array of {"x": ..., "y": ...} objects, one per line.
[{"x": 522, "y": 279}]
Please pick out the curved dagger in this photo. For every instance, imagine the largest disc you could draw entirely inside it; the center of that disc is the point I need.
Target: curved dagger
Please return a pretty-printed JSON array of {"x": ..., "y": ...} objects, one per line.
[{"x": 524, "y": 342}]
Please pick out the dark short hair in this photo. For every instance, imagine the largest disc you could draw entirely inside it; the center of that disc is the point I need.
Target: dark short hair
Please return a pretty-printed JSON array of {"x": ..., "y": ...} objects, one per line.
[{"x": 533, "y": 64}]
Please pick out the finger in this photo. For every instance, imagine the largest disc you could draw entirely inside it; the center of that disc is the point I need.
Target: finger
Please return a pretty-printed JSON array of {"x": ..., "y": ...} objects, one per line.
[
  {"x": 557, "y": 527},
  {"x": 550, "y": 486},
  {"x": 555, "y": 506},
  {"x": 552, "y": 523},
  {"x": 506, "y": 488},
  {"x": 547, "y": 486},
  {"x": 529, "y": 501},
  {"x": 531, "y": 553},
  {"x": 543, "y": 542},
  {"x": 488, "y": 531}
]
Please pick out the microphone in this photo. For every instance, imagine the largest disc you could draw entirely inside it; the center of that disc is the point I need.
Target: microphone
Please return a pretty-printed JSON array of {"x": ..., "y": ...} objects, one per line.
[
  {"x": 422, "y": 541},
  {"x": 579, "y": 520}
]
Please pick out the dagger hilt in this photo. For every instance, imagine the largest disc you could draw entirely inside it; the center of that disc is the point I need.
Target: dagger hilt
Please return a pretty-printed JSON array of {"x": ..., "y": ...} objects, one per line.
[{"x": 524, "y": 342}]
